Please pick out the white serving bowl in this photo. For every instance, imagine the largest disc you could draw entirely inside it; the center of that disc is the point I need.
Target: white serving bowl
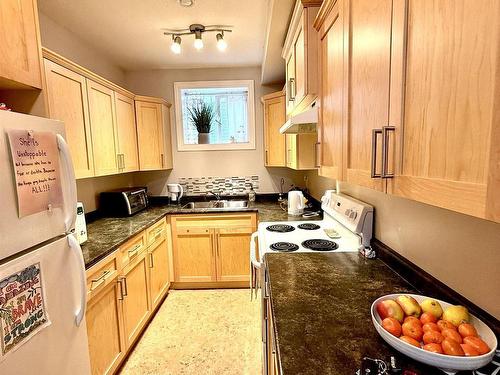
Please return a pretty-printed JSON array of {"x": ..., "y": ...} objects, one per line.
[{"x": 446, "y": 362}]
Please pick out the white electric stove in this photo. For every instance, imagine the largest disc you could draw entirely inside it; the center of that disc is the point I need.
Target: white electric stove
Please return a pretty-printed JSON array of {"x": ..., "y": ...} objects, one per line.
[{"x": 346, "y": 226}]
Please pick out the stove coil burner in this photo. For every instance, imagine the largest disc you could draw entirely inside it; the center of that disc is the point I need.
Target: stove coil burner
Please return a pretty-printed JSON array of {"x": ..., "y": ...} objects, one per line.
[
  {"x": 281, "y": 228},
  {"x": 284, "y": 247},
  {"x": 308, "y": 226},
  {"x": 320, "y": 245}
]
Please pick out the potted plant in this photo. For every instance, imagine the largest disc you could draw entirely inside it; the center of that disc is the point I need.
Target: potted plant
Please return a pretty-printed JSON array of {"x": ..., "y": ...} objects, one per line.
[{"x": 202, "y": 116}]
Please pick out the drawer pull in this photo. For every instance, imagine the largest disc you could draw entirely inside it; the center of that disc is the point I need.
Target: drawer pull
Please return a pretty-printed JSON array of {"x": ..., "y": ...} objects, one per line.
[
  {"x": 151, "y": 260},
  {"x": 158, "y": 233},
  {"x": 133, "y": 252},
  {"x": 95, "y": 283}
]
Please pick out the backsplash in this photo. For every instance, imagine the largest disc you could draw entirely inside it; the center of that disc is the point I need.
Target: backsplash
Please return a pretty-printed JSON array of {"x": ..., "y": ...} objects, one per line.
[{"x": 220, "y": 185}]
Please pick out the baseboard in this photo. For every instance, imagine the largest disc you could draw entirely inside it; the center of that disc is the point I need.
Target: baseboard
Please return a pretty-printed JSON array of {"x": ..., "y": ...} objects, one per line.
[
  {"x": 428, "y": 285},
  {"x": 211, "y": 285}
]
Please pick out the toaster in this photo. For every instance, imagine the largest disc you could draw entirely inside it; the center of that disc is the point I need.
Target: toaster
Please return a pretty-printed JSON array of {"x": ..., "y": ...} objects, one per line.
[{"x": 123, "y": 201}]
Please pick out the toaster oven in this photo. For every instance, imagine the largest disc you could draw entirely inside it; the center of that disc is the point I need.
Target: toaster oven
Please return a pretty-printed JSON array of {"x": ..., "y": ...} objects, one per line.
[{"x": 123, "y": 202}]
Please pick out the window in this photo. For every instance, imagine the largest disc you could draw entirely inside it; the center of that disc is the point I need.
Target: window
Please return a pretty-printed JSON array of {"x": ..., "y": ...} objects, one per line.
[{"x": 232, "y": 105}]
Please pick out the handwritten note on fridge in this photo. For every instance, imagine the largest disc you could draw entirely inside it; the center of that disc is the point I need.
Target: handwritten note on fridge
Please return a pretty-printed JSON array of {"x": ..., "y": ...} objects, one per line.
[{"x": 35, "y": 158}]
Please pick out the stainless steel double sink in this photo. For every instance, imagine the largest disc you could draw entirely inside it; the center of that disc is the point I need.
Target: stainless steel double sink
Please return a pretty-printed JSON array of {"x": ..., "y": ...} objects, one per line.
[{"x": 217, "y": 205}]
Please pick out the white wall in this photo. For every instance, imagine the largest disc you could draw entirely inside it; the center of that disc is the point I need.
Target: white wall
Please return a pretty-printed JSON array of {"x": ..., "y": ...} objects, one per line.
[
  {"x": 210, "y": 163},
  {"x": 460, "y": 250},
  {"x": 67, "y": 44}
]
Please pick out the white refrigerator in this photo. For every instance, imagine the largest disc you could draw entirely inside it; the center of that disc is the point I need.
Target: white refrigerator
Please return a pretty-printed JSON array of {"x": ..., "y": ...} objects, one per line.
[{"x": 42, "y": 272}]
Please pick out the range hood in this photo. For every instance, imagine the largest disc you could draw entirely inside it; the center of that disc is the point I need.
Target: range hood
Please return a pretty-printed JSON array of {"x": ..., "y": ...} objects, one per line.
[{"x": 303, "y": 122}]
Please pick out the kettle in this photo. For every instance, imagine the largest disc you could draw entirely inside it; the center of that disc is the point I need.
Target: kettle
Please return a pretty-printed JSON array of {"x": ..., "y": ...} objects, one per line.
[
  {"x": 296, "y": 203},
  {"x": 175, "y": 192}
]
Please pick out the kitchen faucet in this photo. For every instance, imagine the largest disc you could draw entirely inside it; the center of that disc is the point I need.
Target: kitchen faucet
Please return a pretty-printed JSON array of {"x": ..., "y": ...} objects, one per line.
[{"x": 216, "y": 195}]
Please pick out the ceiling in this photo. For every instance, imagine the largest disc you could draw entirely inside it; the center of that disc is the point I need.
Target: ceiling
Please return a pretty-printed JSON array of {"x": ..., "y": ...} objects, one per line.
[{"x": 130, "y": 31}]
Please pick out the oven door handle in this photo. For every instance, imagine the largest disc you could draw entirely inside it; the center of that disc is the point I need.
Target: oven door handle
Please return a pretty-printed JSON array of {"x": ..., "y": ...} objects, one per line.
[
  {"x": 255, "y": 266},
  {"x": 253, "y": 252}
]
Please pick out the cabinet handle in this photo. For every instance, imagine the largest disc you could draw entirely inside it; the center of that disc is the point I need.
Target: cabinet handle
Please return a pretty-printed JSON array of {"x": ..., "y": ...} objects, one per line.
[
  {"x": 133, "y": 252},
  {"x": 123, "y": 280},
  {"x": 158, "y": 233},
  {"x": 291, "y": 90},
  {"x": 317, "y": 160},
  {"x": 162, "y": 160},
  {"x": 121, "y": 289},
  {"x": 151, "y": 260},
  {"x": 385, "y": 150},
  {"x": 123, "y": 161},
  {"x": 375, "y": 133},
  {"x": 95, "y": 283},
  {"x": 267, "y": 161}
]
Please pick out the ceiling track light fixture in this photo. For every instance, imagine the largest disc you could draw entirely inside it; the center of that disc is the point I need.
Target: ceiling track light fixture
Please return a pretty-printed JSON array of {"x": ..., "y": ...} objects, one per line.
[{"x": 198, "y": 30}]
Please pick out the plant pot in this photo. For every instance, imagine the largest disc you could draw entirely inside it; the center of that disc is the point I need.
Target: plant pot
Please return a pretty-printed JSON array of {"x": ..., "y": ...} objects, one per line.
[{"x": 203, "y": 138}]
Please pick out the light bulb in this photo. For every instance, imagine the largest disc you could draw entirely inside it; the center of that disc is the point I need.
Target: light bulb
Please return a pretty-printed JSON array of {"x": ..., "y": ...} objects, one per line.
[
  {"x": 176, "y": 45},
  {"x": 198, "y": 42},
  {"x": 221, "y": 43}
]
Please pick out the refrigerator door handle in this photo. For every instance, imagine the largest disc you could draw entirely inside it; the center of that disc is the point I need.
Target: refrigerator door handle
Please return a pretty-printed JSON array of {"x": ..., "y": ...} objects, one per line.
[
  {"x": 70, "y": 184},
  {"x": 75, "y": 246}
]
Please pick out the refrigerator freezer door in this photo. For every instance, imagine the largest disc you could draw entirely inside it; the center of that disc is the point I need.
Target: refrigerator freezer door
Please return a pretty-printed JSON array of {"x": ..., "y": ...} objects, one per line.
[
  {"x": 17, "y": 234},
  {"x": 61, "y": 347}
]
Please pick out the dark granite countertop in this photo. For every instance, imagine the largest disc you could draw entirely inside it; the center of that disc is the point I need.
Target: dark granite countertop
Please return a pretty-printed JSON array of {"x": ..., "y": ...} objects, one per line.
[
  {"x": 321, "y": 309},
  {"x": 106, "y": 234}
]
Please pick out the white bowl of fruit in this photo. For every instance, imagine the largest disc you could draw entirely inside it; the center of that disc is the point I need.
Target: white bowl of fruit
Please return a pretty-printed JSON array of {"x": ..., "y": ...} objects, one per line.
[{"x": 433, "y": 332}]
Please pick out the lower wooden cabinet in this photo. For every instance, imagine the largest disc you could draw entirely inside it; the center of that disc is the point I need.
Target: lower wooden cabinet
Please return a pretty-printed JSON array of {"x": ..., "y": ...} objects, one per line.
[
  {"x": 136, "y": 307},
  {"x": 123, "y": 291},
  {"x": 159, "y": 271},
  {"x": 212, "y": 249},
  {"x": 105, "y": 329}
]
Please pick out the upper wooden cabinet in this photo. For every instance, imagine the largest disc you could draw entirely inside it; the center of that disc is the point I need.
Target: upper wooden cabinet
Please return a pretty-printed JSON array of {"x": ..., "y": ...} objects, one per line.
[
  {"x": 300, "y": 54},
  {"x": 101, "y": 122},
  {"x": 20, "y": 54},
  {"x": 126, "y": 131},
  {"x": 420, "y": 100},
  {"x": 331, "y": 93},
  {"x": 103, "y": 128},
  {"x": 274, "y": 118},
  {"x": 67, "y": 102},
  {"x": 301, "y": 151},
  {"x": 153, "y": 133},
  {"x": 445, "y": 101}
]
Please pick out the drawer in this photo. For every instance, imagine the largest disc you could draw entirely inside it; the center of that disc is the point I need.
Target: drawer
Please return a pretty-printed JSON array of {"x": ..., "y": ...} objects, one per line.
[
  {"x": 132, "y": 248},
  {"x": 101, "y": 275},
  {"x": 214, "y": 221},
  {"x": 193, "y": 231},
  {"x": 236, "y": 230},
  {"x": 156, "y": 232}
]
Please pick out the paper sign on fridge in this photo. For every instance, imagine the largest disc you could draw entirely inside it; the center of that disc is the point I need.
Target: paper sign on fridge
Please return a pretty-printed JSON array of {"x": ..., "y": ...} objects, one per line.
[{"x": 22, "y": 306}]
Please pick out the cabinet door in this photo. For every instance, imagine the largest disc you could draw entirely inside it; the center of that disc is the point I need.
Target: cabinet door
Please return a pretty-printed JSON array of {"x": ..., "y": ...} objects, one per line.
[
  {"x": 194, "y": 258},
  {"x": 274, "y": 118},
  {"x": 126, "y": 133},
  {"x": 136, "y": 306},
  {"x": 20, "y": 61},
  {"x": 149, "y": 135},
  {"x": 290, "y": 82},
  {"x": 103, "y": 128},
  {"x": 291, "y": 151},
  {"x": 330, "y": 124},
  {"x": 105, "y": 330},
  {"x": 67, "y": 102},
  {"x": 447, "y": 116},
  {"x": 158, "y": 271},
  {"x": 300, "y": 62},
  {"x": 233, "y": 258},
  {"x": 166, "y": 139},
  {"x": 368, "y": 43}
]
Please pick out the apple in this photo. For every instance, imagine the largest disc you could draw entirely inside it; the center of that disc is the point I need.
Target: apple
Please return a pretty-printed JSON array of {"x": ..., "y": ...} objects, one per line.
[
  {"x": 409, "y": 305},
  {"x": 390, "y": 309},
  {"x": 432, "y": 306},
  {"x": 456, "y": 315}
]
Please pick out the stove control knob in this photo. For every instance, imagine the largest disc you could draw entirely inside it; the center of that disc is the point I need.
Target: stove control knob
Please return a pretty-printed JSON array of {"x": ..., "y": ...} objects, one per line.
[
  {"x": 353, "y": 215},
  {"x": 347, "y": 212}
]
